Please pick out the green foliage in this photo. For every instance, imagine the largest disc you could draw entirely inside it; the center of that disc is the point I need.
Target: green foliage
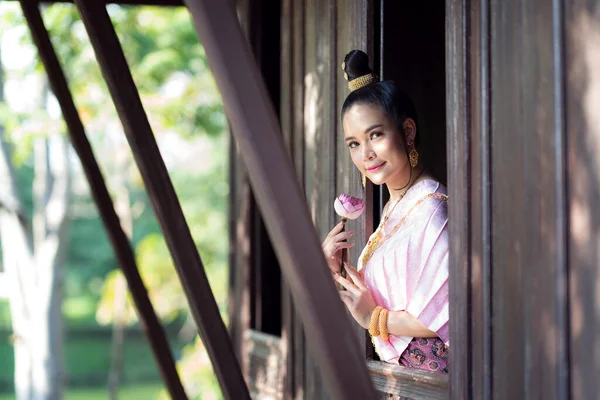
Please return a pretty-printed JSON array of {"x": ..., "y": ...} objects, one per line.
[
  {"x": 179, "y": 94},
  {"x": 204, "y": 200}
]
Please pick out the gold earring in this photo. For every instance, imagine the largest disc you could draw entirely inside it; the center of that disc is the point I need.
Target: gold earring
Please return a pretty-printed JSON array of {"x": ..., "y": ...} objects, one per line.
[
  {"x": 364, "y": 181},
  {"x": 414, "y": 157}
]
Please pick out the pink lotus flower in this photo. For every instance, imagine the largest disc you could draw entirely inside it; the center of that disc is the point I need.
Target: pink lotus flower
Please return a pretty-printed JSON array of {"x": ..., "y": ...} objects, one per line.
[{"x": 348, "y": 207}]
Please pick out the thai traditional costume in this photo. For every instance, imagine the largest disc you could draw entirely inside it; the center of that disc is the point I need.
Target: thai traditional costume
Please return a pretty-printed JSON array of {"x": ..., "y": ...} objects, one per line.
[{"x": 408, "y": 271}]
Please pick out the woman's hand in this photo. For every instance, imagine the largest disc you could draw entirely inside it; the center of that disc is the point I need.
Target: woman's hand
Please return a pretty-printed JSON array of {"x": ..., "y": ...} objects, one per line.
[
  {"x": 333, "y": 245},
  {"x": 356, "y": 297}
]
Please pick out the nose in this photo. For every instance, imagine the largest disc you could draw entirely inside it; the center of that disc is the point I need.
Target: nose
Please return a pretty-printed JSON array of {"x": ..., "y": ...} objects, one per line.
[{"x": 368, "y": 153}]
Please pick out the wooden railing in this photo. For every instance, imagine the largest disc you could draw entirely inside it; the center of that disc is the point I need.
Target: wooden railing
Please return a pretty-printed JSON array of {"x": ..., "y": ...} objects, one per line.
[{"x": 265, "y": 374}]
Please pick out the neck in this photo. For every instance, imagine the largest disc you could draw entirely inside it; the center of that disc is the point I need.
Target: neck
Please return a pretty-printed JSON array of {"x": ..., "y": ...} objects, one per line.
[{"x": 398, "y": 189}]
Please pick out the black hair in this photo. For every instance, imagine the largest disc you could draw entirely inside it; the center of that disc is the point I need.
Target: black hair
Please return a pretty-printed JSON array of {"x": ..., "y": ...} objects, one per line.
[{"x": 394, "y": 102}]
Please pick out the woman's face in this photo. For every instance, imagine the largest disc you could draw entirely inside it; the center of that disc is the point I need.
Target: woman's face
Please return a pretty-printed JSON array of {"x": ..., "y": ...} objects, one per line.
[{"x": 376, "y": 145}]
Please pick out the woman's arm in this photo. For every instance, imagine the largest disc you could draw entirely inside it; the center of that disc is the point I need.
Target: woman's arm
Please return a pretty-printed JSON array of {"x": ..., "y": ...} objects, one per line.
[
  {"x": 360, "y": 303},
  {"x": 401, "y": 323}
]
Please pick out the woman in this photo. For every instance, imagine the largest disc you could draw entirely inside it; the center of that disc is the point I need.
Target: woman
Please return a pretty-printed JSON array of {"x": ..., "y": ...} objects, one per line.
[{"x": 400, "y": 292}]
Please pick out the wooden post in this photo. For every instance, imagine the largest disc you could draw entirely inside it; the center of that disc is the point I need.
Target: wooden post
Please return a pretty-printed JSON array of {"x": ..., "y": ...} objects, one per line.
[
  {"x": 124, "y": 253},
  {"x": 281, "y": 201},
  {"x": 163, "y": 198}
]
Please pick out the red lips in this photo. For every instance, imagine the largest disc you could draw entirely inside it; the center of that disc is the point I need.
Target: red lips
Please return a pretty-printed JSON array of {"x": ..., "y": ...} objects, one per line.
[{"x": 375, "y": 168}]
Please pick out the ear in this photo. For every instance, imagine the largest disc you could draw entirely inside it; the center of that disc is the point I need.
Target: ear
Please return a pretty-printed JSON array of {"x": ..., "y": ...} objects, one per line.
[{"x": 410, "y": 129}]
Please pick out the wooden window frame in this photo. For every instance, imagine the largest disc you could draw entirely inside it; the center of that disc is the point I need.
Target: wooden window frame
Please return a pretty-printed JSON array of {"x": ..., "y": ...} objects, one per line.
[{"x": 389, "y": 378}]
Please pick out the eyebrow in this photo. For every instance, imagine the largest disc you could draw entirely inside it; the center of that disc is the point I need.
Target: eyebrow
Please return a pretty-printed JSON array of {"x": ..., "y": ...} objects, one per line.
[{"x": 366, "y": 131}]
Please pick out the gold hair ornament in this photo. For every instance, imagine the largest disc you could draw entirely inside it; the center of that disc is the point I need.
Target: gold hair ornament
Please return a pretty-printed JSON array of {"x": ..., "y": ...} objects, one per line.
[{"x": 362, "y": 81}]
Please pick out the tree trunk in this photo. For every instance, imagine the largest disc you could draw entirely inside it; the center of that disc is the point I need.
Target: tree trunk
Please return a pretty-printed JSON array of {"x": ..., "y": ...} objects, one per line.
[
  {"x": 32, "y": 263},
  {"x": 49, "y": 251}
]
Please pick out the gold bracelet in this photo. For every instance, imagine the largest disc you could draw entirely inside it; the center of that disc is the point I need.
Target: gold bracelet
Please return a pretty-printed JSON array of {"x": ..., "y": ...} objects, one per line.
[
  {"x": 383, "y": 332},
  {"x": 374, "y": 324}
]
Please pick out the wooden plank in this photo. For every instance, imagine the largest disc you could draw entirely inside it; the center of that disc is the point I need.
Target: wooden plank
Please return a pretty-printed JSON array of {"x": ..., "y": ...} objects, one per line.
[
  {"x": 457, "y": 126},
  {"x": 280, "y": 199},
  {"x": 319, "y": 120},
  {"x": 265, "y": 372},
  {"x": 479, "y": 192},
  {"x": 286, "y": 110},
  {"x": 510, "y": 296},
  {"x": 528, "y": 249},
  {"x": 241, "y": 266},
  {"x": 408, "y": 383},
  {"x": 298, "y": 43},
  {"x": 354, "y": 31},
  {"x": 239, "y": 254},
  {"x": 163, "y": 198},
  {"x": 123, "y": 251},
  {"x": 581, "y": 74}
]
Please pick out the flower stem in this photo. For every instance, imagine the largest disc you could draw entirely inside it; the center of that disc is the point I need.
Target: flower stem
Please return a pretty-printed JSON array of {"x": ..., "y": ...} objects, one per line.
[{"x": 344, "y": 255}]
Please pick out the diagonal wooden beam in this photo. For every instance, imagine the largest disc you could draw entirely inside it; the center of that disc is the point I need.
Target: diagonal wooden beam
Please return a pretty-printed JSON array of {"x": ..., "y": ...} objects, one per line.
[
  {"x": 123, "y": 251},
  {"x": 280, "y": 198},
  {"x": 163, "y": 198}
]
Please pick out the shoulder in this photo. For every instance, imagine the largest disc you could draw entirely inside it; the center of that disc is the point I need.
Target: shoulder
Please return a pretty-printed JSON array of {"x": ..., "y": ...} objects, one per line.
[
  {"x": 432, "y": 195},
  {"x": 431, "y": 207}
]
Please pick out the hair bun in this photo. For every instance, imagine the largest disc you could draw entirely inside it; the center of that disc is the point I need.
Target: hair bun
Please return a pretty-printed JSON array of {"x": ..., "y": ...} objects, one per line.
[{"x": 356, "y": 63}]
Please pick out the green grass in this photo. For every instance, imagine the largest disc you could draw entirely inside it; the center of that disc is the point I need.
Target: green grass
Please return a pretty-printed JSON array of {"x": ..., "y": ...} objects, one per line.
[
  {"x": 87, "y": 348},
  {"x": 88, "y": 359},
  {"x": 131, "y": 392}
]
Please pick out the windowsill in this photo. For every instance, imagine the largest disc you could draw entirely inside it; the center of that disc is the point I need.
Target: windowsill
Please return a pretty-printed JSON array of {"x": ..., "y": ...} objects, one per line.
[
  {"x": 265, "y": 373},
  {"x": 406, "y": 382}
]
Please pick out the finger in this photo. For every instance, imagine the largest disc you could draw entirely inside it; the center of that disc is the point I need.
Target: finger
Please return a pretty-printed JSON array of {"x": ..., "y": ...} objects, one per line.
[
  {"x": 346, "y": 298},
  {"x": 336, "y": 229},
  {"x": 333, "y": 252},
  {"x": 355, "y": 275},
  {"x": 343, "y": 245},
  {"x": 340, "y": 237},
  {"x": 347, "y": 284}
]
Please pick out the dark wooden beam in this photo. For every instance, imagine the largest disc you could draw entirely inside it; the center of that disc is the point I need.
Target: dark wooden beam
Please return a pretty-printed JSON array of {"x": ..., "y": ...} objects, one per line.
[
  {"x": 124, "y": 253},
  {"x": 163, "y": 198},
  {"x": 280, "y": 198},
  {"x": 459, "y": 183}
]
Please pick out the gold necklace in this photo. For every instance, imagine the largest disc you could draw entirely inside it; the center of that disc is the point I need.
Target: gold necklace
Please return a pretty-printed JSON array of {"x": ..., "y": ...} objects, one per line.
[{"x": 376, "y": 242}]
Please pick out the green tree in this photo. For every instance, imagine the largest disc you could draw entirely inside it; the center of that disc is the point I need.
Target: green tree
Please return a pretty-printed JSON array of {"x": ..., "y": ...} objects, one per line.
[{"x": 170, "y": 69}]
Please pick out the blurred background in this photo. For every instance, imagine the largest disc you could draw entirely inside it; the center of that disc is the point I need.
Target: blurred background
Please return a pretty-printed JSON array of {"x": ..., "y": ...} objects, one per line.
[{"x": 78, "y": 310}]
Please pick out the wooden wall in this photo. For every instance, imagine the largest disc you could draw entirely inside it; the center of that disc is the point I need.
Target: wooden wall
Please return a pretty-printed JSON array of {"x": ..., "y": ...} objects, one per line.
[
  {"x": 315, "y": 37},
  {"x": 523, "y": 131},
  {"x": 522, "y": 90},
  {"x": 581, "y": 74}
]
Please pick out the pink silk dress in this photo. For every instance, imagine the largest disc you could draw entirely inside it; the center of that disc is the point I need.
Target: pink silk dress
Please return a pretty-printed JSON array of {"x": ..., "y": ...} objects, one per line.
[{"x": 409, "y": 272}]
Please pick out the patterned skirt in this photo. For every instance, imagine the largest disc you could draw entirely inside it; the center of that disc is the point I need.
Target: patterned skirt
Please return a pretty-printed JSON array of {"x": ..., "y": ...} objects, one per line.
[{"x": 429, "y": 354}]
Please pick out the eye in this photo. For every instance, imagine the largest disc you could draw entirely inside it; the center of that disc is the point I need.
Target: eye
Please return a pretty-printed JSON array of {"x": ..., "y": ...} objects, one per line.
[
  {"x": 376, "y": 134},
  {"x": 352, "y": 145}
]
